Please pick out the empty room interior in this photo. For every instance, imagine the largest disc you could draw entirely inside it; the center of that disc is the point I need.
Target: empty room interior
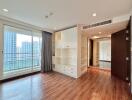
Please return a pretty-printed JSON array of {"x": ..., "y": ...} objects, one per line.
[{"x": 65, "y": 50}]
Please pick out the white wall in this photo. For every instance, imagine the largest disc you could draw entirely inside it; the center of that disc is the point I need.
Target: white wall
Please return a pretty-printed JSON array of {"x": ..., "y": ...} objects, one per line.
[
  {"x": 1, "y": 48},
  {"x": 131, "y": 12}
]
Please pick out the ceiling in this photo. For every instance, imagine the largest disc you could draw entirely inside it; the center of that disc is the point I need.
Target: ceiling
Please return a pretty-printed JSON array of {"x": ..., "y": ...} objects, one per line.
[
  {"x": 64, "y": 13},
  {"x": 106, "y": 30}
]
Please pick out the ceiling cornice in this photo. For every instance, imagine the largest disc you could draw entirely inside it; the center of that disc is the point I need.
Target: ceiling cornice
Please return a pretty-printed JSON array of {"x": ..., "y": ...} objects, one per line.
[{"x": 4, "y": 18}]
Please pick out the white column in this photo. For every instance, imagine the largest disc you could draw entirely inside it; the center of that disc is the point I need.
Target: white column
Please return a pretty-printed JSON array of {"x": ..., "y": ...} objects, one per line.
[
  {"x": 79, "y": 51},
  {"x": 1, "y": 49}
]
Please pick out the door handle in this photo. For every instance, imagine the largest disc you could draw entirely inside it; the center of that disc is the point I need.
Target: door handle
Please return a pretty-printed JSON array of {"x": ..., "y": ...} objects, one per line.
[{"x": 127, "y": 58}]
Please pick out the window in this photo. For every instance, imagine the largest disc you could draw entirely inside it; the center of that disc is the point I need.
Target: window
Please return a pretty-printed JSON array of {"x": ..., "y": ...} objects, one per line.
[{"x": 22, "y": 49}]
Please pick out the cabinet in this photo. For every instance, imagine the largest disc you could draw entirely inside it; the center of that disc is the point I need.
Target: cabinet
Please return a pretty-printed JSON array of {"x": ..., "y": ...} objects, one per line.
[{"x": 65, "y": 59}]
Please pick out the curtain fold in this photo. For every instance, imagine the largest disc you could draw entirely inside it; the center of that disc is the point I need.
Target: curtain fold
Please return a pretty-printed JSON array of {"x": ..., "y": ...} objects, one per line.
[{"x": 46, "y": 60}]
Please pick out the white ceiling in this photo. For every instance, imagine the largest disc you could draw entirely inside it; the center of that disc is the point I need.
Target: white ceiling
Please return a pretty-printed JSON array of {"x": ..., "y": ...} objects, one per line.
[
  {"x": 105, "y": 30},
  {"x": 66, "y": 12}
]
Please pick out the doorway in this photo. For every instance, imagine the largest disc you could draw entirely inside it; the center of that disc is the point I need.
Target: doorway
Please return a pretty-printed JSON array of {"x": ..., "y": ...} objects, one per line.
[
  {"x": 105, "y": 54},
  {"x": 100, "y": 52},
  {"x": 110, "y": 51}
]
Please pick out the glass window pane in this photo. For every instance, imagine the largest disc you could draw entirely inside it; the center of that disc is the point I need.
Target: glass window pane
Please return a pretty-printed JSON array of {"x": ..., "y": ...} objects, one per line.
[
  {"x": 17, "y": 49},
  {"x": 36, "y": 51},
  {"x": 22, "y": 49}
]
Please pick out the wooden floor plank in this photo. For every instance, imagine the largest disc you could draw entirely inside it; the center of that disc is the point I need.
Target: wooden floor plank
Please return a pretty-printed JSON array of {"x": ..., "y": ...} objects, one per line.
[{"x": 94, "y": 85}]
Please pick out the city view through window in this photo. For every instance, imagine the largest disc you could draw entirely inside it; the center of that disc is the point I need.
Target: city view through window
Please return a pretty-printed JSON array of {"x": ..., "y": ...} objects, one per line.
[{"x": 21, "y": 50}]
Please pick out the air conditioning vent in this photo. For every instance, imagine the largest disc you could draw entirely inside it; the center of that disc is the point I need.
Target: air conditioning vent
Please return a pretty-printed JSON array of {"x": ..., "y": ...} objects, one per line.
[{"x": 97, "y": 24}]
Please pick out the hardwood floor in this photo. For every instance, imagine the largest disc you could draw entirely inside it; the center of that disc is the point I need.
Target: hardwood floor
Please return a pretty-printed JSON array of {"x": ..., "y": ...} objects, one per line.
[{"x": 94, "y": 85}]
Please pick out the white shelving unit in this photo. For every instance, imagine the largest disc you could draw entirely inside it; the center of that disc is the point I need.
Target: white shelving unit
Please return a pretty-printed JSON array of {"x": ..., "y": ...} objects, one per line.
[{"x": 66, "y": 52}]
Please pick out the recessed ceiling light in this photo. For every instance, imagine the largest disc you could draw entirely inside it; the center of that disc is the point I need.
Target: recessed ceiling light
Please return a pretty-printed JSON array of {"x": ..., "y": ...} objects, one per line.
[
  {"x": 51, "y": 13},
  {"x": 109, "y": 35},
  {"x": 48, "y": 15},
  {"x": 94, "y": 14},
  {"x": 95, "y": 37},
  {"x": 99, "y": 32},
  {"x": 5, "y": 10}
]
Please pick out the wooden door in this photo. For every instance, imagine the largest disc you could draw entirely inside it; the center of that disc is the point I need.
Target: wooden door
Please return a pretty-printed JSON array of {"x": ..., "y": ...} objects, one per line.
[{"x": 119, "y": 52}]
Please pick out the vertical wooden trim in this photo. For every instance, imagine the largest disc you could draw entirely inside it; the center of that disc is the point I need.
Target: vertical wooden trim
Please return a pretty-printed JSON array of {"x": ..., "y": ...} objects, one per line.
[
  {"x": 131, "y": 52},
  {"x": 87, "y": 54},
  {"x": 91, "y": 52}
]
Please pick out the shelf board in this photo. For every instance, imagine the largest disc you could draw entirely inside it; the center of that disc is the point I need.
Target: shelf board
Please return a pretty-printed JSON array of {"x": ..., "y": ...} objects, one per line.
[{"x": 65, "y": 65}]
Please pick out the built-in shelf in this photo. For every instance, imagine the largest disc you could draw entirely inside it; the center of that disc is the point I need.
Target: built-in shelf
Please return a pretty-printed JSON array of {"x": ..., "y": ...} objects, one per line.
[
  {"x": 70, "y": 52},
  {"x": 66, "y": 52}
]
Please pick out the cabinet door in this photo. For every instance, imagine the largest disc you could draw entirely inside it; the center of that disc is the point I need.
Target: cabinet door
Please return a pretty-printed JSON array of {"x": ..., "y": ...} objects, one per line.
[
  {"x": 69, "y": 35},
  {"x": 71, "y": 71},
  {"x": 67, "y": 70},
  {"x": 59, "y": 68}
]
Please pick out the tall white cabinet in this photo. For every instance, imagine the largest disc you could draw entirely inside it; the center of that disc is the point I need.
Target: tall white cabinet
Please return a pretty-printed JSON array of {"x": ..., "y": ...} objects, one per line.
[
  {"x": 65, "y": 59},
  {"x": 70, "y": 57}
]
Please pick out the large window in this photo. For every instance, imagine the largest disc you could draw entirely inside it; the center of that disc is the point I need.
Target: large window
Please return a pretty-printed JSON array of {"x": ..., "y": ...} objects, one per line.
[{"x": 22, "y": 49}]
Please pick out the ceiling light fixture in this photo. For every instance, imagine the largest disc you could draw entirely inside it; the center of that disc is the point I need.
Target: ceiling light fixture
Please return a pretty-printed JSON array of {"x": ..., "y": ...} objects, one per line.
[
  {"x": 95, "y": 37},
  {"x": 5, "y": 10},
  {"x": 99, "y": 32},
  {"x": 94, "y": 14},
  {"x": 51, "y": 13},
  {"x": 109, "y": 35}
]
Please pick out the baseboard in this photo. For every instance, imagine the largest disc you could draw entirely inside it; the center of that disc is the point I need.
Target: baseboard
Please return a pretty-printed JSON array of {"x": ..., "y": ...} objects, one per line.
[
  {"x": 101, "y": 68},
  {"x": 18, "y": 77}
]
